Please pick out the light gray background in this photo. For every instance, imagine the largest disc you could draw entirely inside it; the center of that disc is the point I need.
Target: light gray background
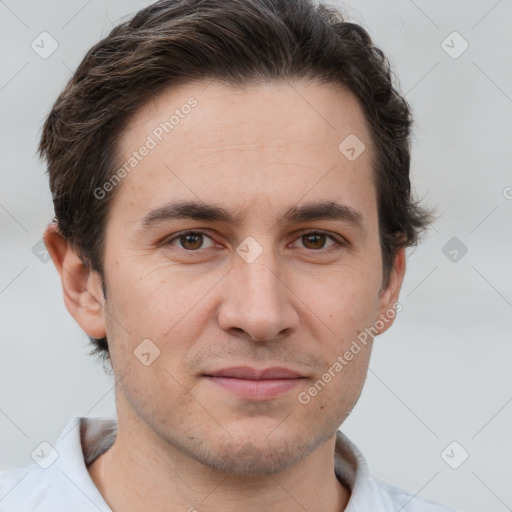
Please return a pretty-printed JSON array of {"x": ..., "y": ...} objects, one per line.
[{"x": 441, "y": 374}]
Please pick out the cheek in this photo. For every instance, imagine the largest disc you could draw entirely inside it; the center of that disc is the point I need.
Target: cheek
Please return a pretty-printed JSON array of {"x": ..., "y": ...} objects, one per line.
[
  {"x": 169, "y": 308},
  {"x": 333, "y": 395},
  {"x": 344, "y": 300},
  {"x": 346, "y": 308},
  {"x": 158, "y": 297}
]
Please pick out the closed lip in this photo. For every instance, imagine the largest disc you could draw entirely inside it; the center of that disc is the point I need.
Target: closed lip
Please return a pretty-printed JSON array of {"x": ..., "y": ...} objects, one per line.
[{"x": 249, "y": 373}]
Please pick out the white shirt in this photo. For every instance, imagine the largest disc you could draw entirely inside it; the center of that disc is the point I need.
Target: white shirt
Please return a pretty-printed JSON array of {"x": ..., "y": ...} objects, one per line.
[{"x": 58, "y": 480}]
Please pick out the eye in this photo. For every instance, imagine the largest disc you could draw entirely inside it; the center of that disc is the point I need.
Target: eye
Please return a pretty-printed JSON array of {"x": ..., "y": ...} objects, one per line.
[
  {"x": 317, "y": 240},
  {"x": 191, "y": 240}
]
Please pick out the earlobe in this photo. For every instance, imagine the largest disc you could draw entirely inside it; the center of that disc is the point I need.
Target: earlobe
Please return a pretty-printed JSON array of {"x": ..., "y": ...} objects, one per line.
[
  {"x": 81, "y": 288},
  {"x": 388, "y": 300}
]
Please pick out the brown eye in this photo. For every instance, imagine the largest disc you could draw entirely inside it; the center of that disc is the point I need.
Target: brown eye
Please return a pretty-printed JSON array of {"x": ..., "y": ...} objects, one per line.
[
  {"x": 191, "y": 241},
  {"x": 314, "y": 240}
]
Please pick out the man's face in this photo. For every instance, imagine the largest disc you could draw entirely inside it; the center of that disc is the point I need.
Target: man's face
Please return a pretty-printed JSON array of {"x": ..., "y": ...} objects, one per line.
[{"x": 266, "y": 287}]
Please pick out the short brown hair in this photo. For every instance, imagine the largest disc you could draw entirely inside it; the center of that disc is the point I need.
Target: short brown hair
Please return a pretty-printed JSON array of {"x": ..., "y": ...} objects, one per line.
[{"x": 237, "y": 42}]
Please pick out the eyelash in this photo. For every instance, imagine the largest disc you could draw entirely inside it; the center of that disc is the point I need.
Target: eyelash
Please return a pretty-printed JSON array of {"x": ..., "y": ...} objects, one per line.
[{"x": 338, "y": 242}]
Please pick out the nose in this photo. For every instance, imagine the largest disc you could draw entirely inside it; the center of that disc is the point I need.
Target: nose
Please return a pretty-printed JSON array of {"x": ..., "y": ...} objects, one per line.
[{"x": 258, "y": 302}]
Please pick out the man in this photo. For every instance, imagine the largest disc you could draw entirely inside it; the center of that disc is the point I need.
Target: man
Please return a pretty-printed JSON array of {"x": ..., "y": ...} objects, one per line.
[{"x": 232, "y": 199}]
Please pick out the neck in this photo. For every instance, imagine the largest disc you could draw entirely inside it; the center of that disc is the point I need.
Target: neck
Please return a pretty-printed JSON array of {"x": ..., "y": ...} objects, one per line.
[{"x": 133, "y": 477}]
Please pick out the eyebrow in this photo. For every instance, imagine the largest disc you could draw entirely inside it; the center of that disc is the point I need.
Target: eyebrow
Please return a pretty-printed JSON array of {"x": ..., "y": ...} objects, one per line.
[
  {"x": 189, "y": 210},
  {"x": 326, "y": 210}
]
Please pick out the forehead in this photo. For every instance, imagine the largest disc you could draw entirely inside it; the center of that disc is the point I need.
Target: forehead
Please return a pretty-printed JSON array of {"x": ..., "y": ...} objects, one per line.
[
  {"x": 310, "y": 111},
  {"x": 212, "y": 141}
]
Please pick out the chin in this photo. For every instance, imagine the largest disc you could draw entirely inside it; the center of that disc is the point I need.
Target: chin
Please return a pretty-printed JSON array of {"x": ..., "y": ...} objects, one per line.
[{"x": 256, "y": 455}]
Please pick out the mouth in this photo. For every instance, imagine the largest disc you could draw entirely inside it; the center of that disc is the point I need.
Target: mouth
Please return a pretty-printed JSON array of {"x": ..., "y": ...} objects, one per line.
[{"x": 256, "y": 384}]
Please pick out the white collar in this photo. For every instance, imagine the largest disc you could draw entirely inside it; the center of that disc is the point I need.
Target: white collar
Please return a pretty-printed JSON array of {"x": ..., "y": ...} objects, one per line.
[{"x": 66, "y": 484}]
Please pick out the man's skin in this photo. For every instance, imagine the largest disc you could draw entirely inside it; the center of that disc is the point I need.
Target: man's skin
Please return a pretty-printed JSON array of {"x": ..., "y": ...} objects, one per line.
[{"x": 188, "y": 439}]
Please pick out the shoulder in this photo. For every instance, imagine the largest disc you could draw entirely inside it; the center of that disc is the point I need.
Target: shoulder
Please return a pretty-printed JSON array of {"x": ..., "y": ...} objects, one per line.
[
  {"x": 60, "y": 481},
  {"x": 34, "y": 489},
  {"x": 391, "y": 498},
  {"x": 22, "y": 489},
  {"x": 370, "y": 493}
]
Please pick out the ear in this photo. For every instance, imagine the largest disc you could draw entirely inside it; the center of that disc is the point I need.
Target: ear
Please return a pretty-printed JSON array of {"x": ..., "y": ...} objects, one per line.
[
  {"x": 388, "y": 300},
  {"x": 82, "y": 289}
]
